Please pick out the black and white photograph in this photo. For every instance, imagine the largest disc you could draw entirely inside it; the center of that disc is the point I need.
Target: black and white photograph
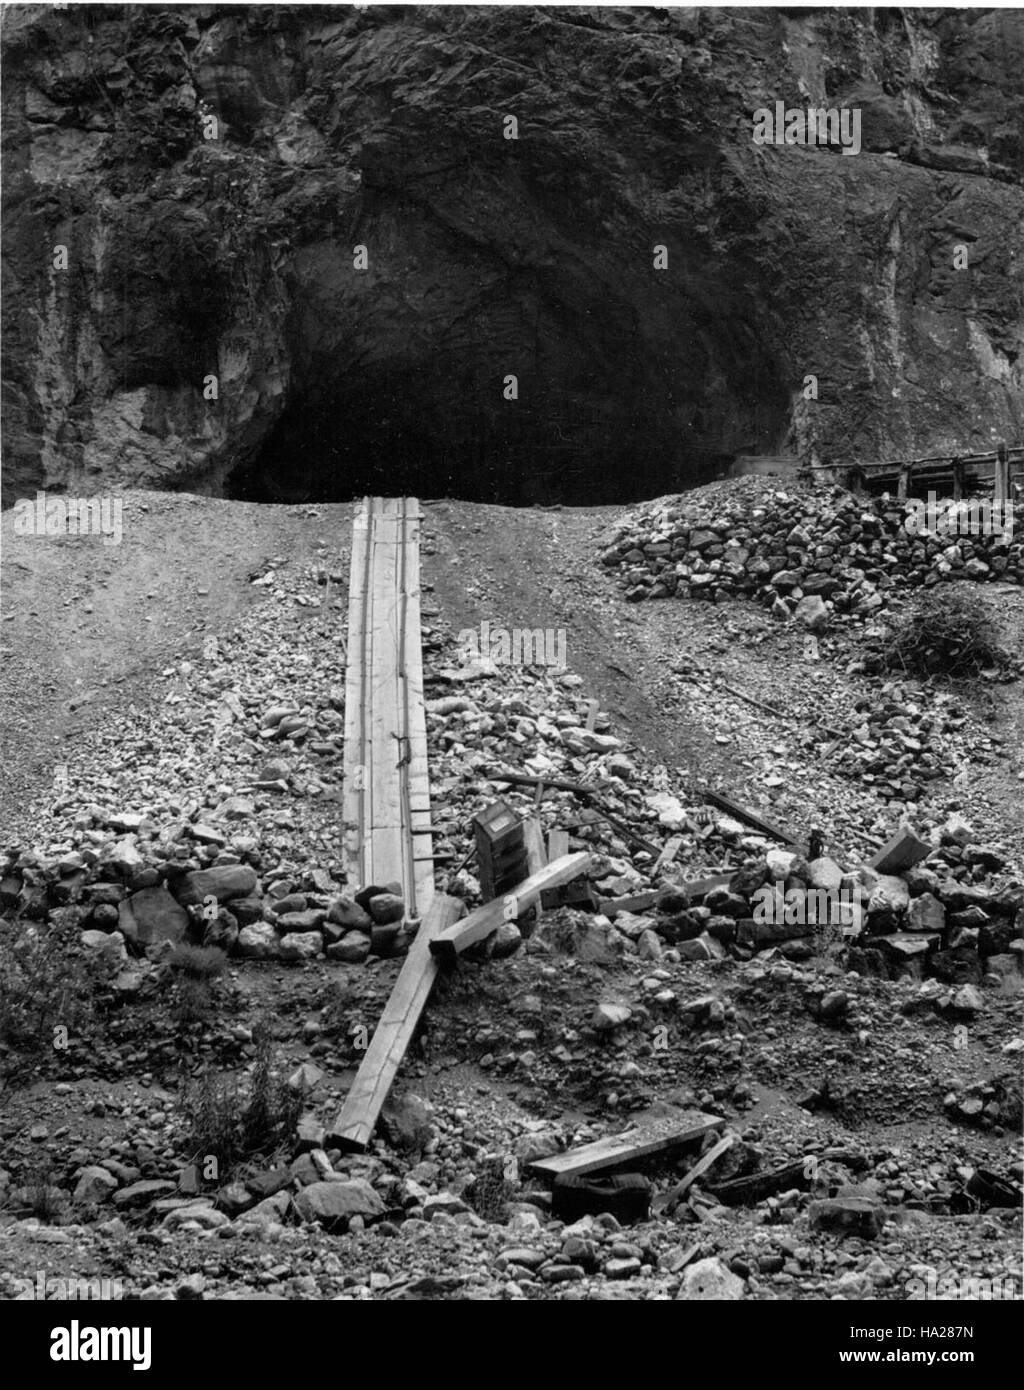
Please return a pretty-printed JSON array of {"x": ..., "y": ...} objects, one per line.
[{"x": 512, "y": 674}]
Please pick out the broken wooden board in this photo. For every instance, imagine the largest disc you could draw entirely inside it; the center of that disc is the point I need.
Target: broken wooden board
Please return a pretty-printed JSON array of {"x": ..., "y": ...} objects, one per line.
[
  {"x": 903, "y": 851},
  {"x": 632, "y": 902},
  {"x": 660, "y": 1136},
  {"x": 742, "y": 1192},
  {"x": 699, "y": 1169},
  {"x": 578, "y": 894},
  {"x": 695, "y": 890},
  {"x": 536, "y": 858},
  {"x": 751, "y": 818},
  {"x": 480, "y": 923},
  {"x": 672, "y": 848},
  {"x": 355, "y": 1123},
  {"x": 521, "y": 779}
]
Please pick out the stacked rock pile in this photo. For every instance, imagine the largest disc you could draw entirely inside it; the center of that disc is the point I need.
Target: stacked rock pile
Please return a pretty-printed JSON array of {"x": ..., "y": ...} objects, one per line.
[
  {"x": 134, "y": 910},
  {"x": 798, "y": 550},
  {"x": 945, "y": 917}
]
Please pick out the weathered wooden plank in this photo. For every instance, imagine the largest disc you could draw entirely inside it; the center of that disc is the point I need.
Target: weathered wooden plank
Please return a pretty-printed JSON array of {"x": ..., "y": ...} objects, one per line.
[
  {"x": 698, "y": 888},
  {"x": 385, "y": 727},
  {"x": 695, "y": 889},
  {"x": 533, "y": 836},
  {"x": 558, "y": 844},
  {"x": 417, "y": 770},
  {"x": 385, "y": 852},
  {"x": 536, "y": 859},
  {"x": 480, "y": 923},
  {"x": 631, "y": 902},
  {"x": 751, "y": 818},
  {"x": 358, "y": 1116},
  {"x": 668, "y": 854},
  {"x": 746, "y": 1191},
  {"x": 522, "y": 779},
  {"x": 660, "y": 1136},
  {"x": 902, "y": 851},
  {"x": 354, "y": 759}
]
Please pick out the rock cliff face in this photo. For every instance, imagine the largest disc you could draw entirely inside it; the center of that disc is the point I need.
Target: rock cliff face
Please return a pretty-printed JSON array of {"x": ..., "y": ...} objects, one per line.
[{"x": 211, "y": 171}]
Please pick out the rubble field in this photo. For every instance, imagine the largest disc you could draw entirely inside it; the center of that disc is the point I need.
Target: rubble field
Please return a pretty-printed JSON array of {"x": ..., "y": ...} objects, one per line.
[{"x": 174, "y": 911}]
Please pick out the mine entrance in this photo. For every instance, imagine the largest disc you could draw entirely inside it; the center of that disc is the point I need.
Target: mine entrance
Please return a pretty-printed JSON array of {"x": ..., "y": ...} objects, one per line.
[{"x": 390, "y": 442}]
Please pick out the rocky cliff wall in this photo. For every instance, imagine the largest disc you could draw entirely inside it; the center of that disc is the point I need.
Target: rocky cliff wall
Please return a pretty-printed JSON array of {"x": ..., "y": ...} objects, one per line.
[{"x": 233, "y": 257}]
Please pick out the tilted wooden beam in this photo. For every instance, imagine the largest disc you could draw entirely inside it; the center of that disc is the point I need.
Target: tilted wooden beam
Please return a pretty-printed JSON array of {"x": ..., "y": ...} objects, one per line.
[
  {"x": 533, "y": 834},
  {"x": 699, "y": 1169},
  {"x": 479, "y": 924},
  {"x": 592, "y": 795},
  {"x": 355, "y": 1123},
  {"x": 751, "y": 818},
  {"x": 660, "y": 1136}
]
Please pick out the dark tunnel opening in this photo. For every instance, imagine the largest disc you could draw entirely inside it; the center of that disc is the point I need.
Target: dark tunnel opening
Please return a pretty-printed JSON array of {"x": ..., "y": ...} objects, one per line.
[{"x": 393, "y": 441}]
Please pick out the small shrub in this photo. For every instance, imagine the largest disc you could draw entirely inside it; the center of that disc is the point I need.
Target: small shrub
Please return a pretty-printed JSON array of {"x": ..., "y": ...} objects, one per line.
[
  {"x": 193, "y": 969},
  {"x": 45, "y": 1200},
  {"x": 192, "y": 1003},
  {"x": 47, "y": 982},
  {"x": 493, "y": 1188},
  {"x": 942, "y": 633},
  {"x": 42, "y": 1196},
  {"x": 233, "y": 1120},
  {"x": 197, "y": 962}
]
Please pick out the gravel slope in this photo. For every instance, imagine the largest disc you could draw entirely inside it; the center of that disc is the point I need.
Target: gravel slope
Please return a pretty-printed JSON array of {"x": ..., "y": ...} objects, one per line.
[{"x": 507, "y": 1061}]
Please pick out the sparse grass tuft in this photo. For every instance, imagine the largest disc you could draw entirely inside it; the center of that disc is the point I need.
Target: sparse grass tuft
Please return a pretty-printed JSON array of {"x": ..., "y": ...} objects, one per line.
[
  {"x": 193, "y": 970},
  {"x": 197, "y": 962},
  {"x": 232, "y": 1120}
]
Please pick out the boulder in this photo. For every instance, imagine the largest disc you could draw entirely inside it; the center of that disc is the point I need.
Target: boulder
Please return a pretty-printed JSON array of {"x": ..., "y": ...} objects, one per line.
[
  {"x": 94, "y": 1185},
  {"x": 813, "y": 612},
  {"x": 824, "y": 873},
  {"x": 122, "y": 856},
  {"x": 140, "y": 1194},
  {"x": 353, "y": 948},
  {"x": 848, "y": 1216},
  {"x": 109, "y": 945},
  {"x": 606, "y": 1017},
  {"x": 158, "y": 917},
  {"x": 994, "y": 937},
  {"x": 406, "y": 1124},
  {"x": 259, "y": 941},
  {"x": 385, "y": 908},
  {"x": 224, "y": 882},
  {"x": 710, "y": 1280},
  {"x": 926, "y": 914},
  {"x": 311, "y": 920},
  {"x": 722, "y": 902},
  {"x": 345, "y": 912},
  {"x": 301, "y": 945},
  {"x": 333, "y": 1204}
]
